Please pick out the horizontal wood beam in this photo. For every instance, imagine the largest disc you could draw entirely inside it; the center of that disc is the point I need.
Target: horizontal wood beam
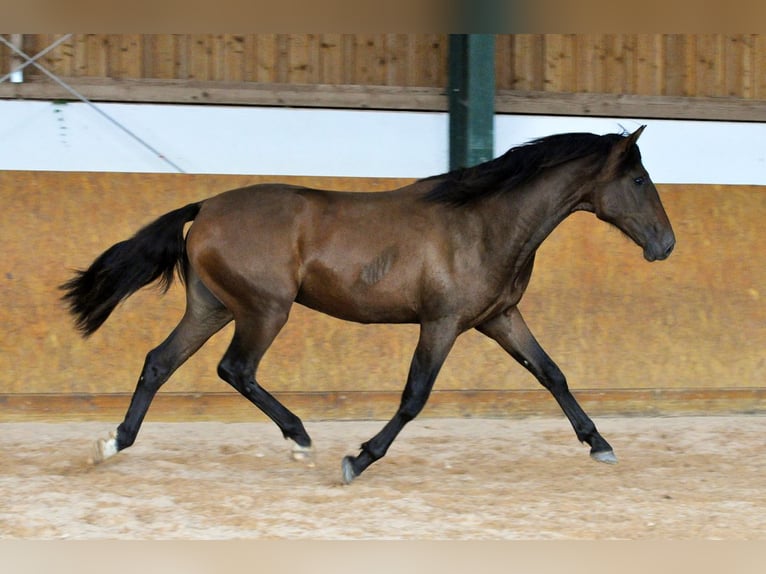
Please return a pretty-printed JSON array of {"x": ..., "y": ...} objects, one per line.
[
  {"x": 235, "y": 93},
  {"x": 338, "y": 405},
  {"x": 630, "y": 106},
  {"x": 388, "y": 98}
]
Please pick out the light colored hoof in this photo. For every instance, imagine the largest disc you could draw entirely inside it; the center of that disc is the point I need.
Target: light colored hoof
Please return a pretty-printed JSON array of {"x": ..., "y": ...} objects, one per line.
[
  {"x": 304, "y": 454},
  {"x": 606, "y": 456},
  {"x": 104, "y": 448},
  {"x": 348, "y": 470}
]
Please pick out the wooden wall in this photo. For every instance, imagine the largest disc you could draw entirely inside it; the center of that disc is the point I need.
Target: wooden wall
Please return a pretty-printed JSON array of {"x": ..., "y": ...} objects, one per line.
[
  {"x": 645, "y": 64},
  {"x": 413, "y": 67},
  {"x": 684, "y": 65},
  {"x": 380, "y": 59},
  {"x": 683, "y": 335}
]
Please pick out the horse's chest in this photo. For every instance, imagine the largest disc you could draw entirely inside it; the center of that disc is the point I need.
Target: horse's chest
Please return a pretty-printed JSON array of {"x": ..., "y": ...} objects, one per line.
[{"x": 505, "y": 293}]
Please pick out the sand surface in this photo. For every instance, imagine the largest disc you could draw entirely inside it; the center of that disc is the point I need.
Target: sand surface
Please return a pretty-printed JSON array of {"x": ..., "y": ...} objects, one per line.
[{"x": 678, "y": 478}]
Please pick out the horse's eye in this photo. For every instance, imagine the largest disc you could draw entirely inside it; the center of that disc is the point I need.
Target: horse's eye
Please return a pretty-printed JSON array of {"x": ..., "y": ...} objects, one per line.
[{"x": 639, "y": 180}]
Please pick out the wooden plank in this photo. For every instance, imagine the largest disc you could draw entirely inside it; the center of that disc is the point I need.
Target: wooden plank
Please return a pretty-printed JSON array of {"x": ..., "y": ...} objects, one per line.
[
  {"x": 389, "y": 97},
  {"x": 560, "y": 58},
  {"x": 111, "y": 49},
  {"x": 377, "y": 58},
  {"x": 589, "y": 53},
  {"x": 80, "y": 63},
  {"x": 161, "y": 51},
  {"x": 249, "y": 57},
  {"x": 515, "y": 75},
  {"x": 648, "y": 65},
  {"x": 5, "y": 60},
  {"x": 366, "y": 69},
  {"x": 240, "y": 93},
  {"x": 218, "y": 59},
  {"x": 199, "y": 57},
  {"x": 734, "y": 65},
  {"x": 235, "y": 58},
  {"x": 759, "y": 64},
  {"x": 529, "y": 58},
  {"x": 709, "y": 62},
  {"x": 231, "y": 407},
  {"x": 396, "y": 60},
  {"x": 504, "y": 62},
  {"x": 56, "y": 61},
  {"x": 282, "y": 59},
  {"x": 149, "y": 55},
  {"x": 95, "y": 56},
  {"x": 748, "y": 72},
  {"x": 674, "y": 56},
  {"x": 429, "y": 53},
  {"x": 314, "y": 42},
  {"x": 129, "y": 57},
  {"x": 618, "y": 64},
  {"x": 65, "y": 61},
  {"x": 414, "y": 77},
  {"x": 301, "y": 68},
  {"x": 628, "y": 105},
  {"x": 265, "y": 57},
  {"x": 331, "y": 59},
  {"x": 407, "y": 51},
  {"x": 181, "y": 64}
]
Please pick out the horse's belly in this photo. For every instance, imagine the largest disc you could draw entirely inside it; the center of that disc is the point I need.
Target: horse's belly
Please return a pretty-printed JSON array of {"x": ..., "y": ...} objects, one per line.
[{"x": 359, "y": 307}]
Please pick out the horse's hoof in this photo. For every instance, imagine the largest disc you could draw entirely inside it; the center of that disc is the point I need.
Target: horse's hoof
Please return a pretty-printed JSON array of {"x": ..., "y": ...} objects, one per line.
[
  {"x": 606, "y": 456},
  {"x": 347, "y": 467},
  {"x": 104, "y": 448},
  {"x": 304, "y": 454}
]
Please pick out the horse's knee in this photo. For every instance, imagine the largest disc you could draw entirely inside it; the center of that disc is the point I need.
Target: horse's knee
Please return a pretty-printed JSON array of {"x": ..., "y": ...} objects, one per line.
[
  {"x": 553, "y": 379},
  {"x": 556, "y": 384}
]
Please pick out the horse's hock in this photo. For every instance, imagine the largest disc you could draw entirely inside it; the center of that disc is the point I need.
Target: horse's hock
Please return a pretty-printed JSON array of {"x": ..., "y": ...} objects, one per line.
[{"x": 681, "y": 336}]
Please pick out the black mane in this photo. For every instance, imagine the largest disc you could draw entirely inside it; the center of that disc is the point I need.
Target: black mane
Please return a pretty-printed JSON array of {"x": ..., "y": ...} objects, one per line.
[{"x": 519, "y": 165}]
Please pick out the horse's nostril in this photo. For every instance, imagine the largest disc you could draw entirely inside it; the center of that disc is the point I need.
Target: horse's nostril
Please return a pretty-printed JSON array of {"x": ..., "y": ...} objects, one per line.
[{"x": 669, "y": 249}]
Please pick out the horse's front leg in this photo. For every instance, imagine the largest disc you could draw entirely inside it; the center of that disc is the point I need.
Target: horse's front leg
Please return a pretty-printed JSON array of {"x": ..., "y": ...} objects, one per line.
[
  {"x": 512, "y": 334},
  {"x": 436, "y": 340}
]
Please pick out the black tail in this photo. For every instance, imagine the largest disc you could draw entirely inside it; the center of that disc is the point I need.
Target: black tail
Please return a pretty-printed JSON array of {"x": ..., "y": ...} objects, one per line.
[{"x": 153, "y": 253}]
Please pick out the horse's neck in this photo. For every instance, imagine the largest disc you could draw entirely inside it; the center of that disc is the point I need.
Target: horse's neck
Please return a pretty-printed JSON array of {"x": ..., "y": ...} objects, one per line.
[{"x": 525, "y": 217}]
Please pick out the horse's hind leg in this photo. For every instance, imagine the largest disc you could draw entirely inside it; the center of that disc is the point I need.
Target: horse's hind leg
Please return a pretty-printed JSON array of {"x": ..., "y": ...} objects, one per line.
[
  {"x": 512, "y": 333},
  {"x": 204, "y": 317},
  {"x": 253, "y": 334}
]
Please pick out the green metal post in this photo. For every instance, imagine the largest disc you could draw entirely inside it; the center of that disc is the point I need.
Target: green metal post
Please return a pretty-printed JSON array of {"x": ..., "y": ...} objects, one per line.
[{"x": 471, "y": 98}]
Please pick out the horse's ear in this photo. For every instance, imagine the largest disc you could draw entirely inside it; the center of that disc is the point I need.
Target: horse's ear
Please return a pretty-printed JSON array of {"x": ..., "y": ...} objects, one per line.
[
  {"x": 623, "y": 146},
  {"x": 633, "y": 138},
  {"x": 620, "y": 152}
]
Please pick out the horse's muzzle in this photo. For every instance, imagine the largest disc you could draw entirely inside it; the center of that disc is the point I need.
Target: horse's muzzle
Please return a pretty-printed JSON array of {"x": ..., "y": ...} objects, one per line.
[{"x": 660, "y": 249}]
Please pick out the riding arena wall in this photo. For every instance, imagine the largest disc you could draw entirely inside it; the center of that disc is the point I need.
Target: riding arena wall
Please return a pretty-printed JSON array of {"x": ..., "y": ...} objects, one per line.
[
  {"x": 685, "y": 335},
  {"x": 692, "y": 76}
]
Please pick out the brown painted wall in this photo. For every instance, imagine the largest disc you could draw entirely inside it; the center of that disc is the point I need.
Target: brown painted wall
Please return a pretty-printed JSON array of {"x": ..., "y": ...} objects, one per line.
[{"x": 612, "y": 321}]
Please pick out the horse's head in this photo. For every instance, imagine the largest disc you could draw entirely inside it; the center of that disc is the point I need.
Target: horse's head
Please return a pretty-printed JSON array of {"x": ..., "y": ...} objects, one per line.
[{"x": 626, "y": 197}]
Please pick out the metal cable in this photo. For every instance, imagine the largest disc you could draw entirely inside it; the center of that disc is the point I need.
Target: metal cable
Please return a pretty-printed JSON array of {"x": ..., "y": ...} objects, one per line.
[
  {"x": 27, "y": 58},
  {"x": 85, "y": 100}
]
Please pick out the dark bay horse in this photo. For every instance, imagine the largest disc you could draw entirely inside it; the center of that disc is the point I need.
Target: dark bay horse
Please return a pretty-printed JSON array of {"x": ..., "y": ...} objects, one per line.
[{"x": 451, "y": 253}]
